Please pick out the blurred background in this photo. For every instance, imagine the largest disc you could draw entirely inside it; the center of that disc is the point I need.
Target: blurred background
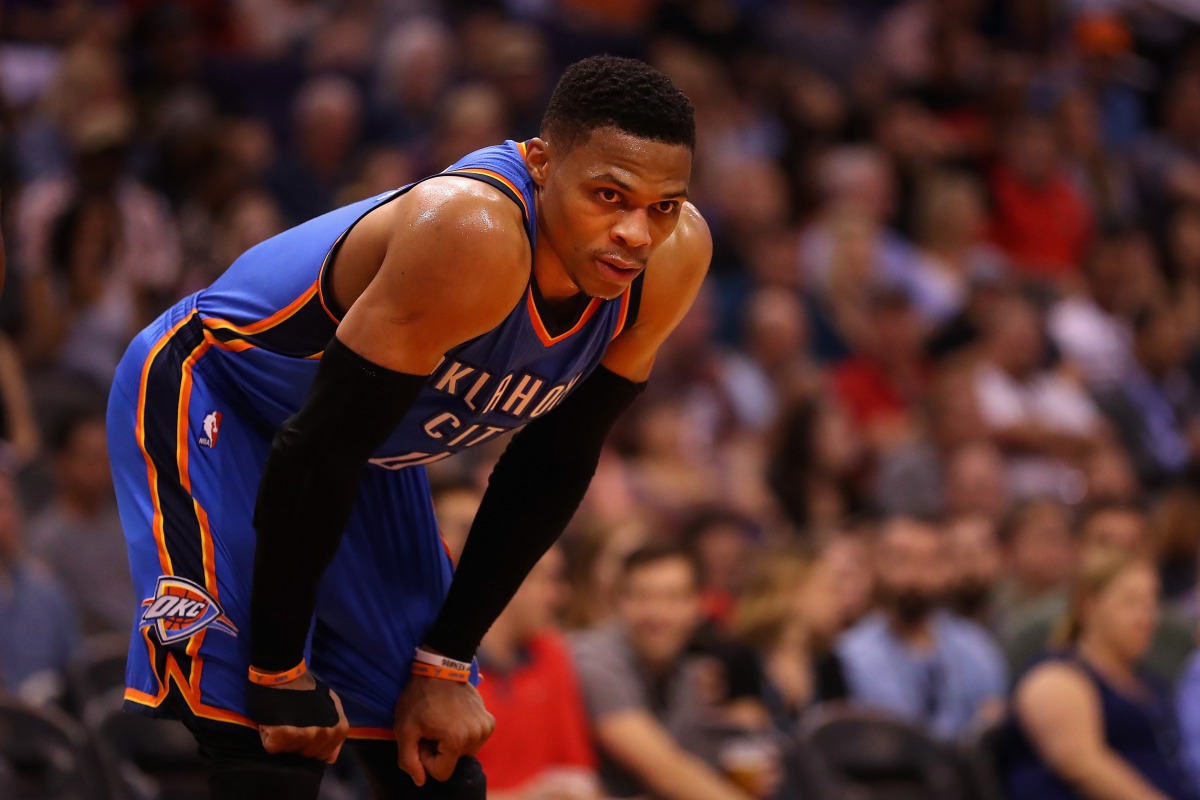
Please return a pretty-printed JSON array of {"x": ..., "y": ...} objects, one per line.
[{"x": 911, "y": 506}]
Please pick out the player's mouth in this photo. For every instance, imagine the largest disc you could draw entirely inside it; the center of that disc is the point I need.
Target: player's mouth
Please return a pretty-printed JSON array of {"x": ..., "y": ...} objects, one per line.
[{"x": 618, "y": 270}]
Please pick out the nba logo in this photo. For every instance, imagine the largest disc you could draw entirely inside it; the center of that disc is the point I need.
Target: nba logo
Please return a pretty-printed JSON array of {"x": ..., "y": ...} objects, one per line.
[{"x": 212, "y": 425}]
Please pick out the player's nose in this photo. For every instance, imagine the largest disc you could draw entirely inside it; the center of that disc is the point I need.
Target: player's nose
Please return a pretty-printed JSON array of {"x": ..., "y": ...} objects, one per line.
[{"x": 633, "y": 229}]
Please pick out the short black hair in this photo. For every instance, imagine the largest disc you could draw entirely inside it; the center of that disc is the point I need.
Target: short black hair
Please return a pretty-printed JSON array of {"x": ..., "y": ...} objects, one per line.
[
  {"x": 658, "y": 551},
  {"x": 622, "y": 93}
]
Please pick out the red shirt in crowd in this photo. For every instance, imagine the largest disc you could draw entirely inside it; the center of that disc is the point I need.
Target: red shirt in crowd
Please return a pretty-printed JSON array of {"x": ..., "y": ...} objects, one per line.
[
  {"x": 540, "y": 720},
  {"x": 867, "y": 392},
  {"x": 1043, "y": 229}
]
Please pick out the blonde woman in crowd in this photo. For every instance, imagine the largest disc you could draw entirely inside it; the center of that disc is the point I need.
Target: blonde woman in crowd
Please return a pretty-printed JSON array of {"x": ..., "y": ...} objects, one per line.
[
  {"x": 789, "y": 613},
  {"x": 1088, "y": 722}
]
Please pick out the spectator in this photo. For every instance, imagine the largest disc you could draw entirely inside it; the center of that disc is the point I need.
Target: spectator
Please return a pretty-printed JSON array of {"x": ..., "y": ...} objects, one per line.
[
  {"x": 455, "y": 504},
  {"x": 909, "y": 657},
  {"x": 723, "y": 543},
  {"x": 1092, "y": 329},
  {"x": 651, "y": 706},
  {"x": 815, "y": 464},
  {"x": 1088, "y": 722},
  {"x": 1102, "y": 528},
  {"x": 595, "y": 556},
  {"x": 1041, "y": 419},
  {"x": 541, "y": 747},
  {"x": 1039, "y": 556},
  {"x": 79, "y": 534},
  {"x": 950, "y": 224},
  {"x": 976, "y": 564},
  {"x": 1154, "y": 405},
  {"x": 790, "y": 615},
  {"x": 38, "y": 633},
  {"x": 145, "y": 258},
  {"x": 881, "y": 385},
  {"x": 1041, "y": 220},
  {"x": 326, "y": 125}
]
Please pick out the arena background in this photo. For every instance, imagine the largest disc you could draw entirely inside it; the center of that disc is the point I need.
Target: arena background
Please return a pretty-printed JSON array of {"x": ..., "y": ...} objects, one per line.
[{"x": 946, "y": 359}]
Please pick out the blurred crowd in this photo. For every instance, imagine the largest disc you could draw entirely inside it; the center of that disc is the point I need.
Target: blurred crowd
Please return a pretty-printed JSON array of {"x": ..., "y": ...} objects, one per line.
[{"x": 927, "y": 446}]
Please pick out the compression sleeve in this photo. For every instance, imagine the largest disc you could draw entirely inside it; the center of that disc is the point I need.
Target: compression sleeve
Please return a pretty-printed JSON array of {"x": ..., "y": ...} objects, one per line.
[
  {"x": 308, "y": 489},
  {"x": 533, "y": 491}
]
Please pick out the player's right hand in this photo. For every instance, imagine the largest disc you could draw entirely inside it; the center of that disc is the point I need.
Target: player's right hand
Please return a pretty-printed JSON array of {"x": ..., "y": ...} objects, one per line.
[
  {"x": 437, "y": 723},
  {"x": 321, "y": 743}
]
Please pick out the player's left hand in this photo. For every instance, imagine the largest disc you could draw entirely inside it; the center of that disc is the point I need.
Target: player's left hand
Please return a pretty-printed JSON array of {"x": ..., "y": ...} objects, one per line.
[{"x": 449, "y": 715}]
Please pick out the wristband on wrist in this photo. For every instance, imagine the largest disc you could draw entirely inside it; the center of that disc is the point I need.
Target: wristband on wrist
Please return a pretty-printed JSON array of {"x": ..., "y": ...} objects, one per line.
[
  {"x": 424, "y": 670},
  {"x": 276, "y": 678},
  {"x": 439, "y": 660}
]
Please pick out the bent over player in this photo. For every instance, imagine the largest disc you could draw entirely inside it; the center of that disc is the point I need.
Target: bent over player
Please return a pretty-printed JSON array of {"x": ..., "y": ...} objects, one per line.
[{"x": 267, "y": 437}]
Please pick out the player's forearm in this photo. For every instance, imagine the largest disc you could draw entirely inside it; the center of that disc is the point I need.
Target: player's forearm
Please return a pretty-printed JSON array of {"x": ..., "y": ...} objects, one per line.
[
  {"x": 532, "y": 494},
  {"x": 308, "y": 490}
]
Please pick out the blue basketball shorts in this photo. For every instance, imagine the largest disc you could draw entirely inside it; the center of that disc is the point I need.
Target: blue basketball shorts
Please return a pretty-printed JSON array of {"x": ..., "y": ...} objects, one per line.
[{"x": 187, "y": 456}]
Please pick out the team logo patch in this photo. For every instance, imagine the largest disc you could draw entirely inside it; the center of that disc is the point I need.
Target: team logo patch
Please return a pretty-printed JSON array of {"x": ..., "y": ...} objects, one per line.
[
  {"x": 180, "y": 609},
  {"x": 212, "y": 426}
]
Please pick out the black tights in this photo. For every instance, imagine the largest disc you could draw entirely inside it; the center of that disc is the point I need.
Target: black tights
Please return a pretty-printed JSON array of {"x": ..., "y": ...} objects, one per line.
[{"x": 240, "y": 769}]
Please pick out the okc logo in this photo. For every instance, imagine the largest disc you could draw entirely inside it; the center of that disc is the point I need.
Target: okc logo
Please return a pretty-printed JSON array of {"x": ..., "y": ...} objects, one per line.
[
  {"x": 212, "y": 426},
  {"x": 180, "y": 609}
]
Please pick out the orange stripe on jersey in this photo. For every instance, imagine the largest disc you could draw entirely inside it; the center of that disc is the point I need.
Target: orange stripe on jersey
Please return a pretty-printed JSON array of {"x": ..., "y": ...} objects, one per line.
[
  {"x": 502, "y": 179},
  {"x": 523, "y": 148},
  {"x": 625, "y": 295},
  {"x": 279, "y": 317},
  {"x": 206, "y": 540},
  {"x": 164, "y": 558},
  {"x": 539, "y": 327},
  {"x": 384, "y": 734}
]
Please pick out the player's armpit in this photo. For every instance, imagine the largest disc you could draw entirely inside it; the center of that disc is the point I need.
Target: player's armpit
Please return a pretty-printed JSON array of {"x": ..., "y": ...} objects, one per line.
[
  {"x": 457, "y": 262},
  {"x": 673, "y": 279}
]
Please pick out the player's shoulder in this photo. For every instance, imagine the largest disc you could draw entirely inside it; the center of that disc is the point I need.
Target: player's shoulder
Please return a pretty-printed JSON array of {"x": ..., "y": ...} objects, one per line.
[
  {"x": 679, "y": 266},
  {"x": 449, "y": 222}
]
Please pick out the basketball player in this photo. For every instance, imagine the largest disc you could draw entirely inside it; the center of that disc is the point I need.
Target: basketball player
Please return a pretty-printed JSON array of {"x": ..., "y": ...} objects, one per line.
[{"x": 267, "y": 437}]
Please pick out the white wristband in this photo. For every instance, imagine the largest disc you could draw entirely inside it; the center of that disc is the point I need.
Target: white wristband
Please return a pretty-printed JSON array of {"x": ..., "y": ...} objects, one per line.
[{"x": 433, "y": 659}]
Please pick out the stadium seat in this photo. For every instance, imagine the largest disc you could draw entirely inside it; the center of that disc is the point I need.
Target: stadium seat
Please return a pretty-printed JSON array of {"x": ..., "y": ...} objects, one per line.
[
  {"x": 98, "y": 667},
  {"x": 47, "y": 756},
  {"x": 845, "y": 753}
]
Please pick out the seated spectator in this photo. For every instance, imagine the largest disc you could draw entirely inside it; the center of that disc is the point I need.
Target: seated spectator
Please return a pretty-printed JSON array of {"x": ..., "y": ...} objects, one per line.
[
  {"x": 1153, "y": 407},
  {"x": 38, "y": 633},
  {"x": 976, "y": 567},
  {"x": 1187, "y": 710},
  {"x": 1101, "y": 528},
  {"x": 925, "y": 664},
  {"x": 1040, "y": 418},
  {"x": 880, "y": 386},
  {"x": 594, "y": 558},
  {"x": 815, "y": 464},
  {"x": 1039, "y": 558},
  {"x": 1091, "y": 327},
  {"x": 79, "y": 534},
  {"x": 1088, "y": 723},
  {"x": 790, "y": 614},
  {"x": 950, "y": 222},
  {"x": 145, "y": 257},
  {"x": 723, "y": 543},
  {"x": 541, "y": 746},
  {"x": 1041, "y": 220},
  {"x": 652, "y": 707}
]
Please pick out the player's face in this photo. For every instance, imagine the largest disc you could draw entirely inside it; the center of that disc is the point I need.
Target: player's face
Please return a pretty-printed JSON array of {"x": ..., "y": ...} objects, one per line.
[{"x": 607, "y": 203}]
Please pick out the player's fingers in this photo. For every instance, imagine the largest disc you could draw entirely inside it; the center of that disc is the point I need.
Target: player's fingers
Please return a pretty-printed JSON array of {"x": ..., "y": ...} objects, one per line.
[
  {"x": 408, "y": 741},
  {"x": 279, "y": 738},
  {"x": 440, "y": 766}
]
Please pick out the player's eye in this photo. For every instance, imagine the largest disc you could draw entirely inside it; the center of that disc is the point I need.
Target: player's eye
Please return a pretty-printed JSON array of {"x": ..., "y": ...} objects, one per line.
[
  {"x": 608, "y": 195},
  {"x": 666, "y": 207}
]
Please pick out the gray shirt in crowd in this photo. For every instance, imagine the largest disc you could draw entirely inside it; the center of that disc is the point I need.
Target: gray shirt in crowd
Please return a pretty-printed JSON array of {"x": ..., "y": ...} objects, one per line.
[{"x": 614, "y": 680}]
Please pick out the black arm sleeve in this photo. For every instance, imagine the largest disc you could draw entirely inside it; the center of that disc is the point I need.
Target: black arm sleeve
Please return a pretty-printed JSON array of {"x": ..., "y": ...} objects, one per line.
[
  {"x": 533, "y": 491},
  {"x": 308, "y": 489}
]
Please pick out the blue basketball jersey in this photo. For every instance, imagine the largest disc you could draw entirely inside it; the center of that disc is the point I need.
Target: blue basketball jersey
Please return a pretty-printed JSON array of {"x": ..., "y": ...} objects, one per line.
[{"x": 270, "y": 318}]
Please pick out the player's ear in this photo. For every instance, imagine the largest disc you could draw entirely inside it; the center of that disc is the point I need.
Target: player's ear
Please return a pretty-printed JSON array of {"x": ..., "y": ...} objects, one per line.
[{"x": 537, "y": 157}]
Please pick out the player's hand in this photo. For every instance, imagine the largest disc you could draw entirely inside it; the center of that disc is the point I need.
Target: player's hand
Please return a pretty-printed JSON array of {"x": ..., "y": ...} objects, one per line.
[
  {"x": 321, "y": 743},
  {"x": 438, "y": 722}
]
